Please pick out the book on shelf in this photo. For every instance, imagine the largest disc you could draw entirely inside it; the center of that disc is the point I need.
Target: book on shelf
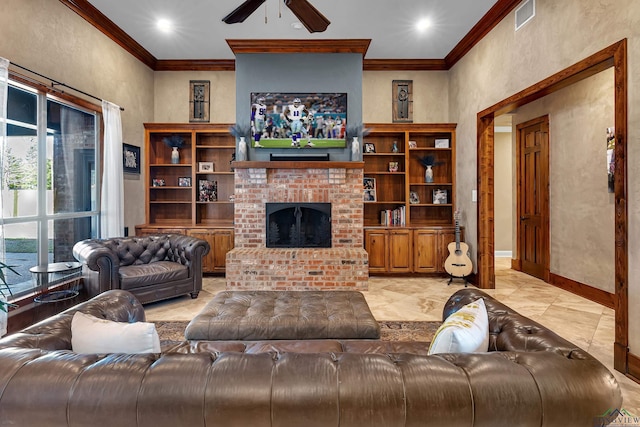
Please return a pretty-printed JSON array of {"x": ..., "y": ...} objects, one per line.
[{"x": 393, "y": 217}]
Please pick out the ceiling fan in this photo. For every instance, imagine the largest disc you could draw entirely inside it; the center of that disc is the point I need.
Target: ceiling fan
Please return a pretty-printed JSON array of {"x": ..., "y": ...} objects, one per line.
[{"x": 311, "y": 18}]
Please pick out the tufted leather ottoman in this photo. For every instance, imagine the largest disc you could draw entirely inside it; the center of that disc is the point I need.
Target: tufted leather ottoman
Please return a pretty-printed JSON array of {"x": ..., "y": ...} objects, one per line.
[{"x": 284, "y": 315}]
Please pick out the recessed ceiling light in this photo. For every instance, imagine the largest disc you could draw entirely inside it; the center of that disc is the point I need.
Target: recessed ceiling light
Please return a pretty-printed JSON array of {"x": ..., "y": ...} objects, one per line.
[
  {"x": 297, "y": 26},
  {"x": 423, "y": 24},
  {"x": 164, "y": 25}
]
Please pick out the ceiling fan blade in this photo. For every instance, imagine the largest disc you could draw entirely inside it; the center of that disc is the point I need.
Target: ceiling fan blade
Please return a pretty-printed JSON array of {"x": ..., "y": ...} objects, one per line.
[
  {"x": 313, "y": 20},
  {"x": 243, "y": 11}
]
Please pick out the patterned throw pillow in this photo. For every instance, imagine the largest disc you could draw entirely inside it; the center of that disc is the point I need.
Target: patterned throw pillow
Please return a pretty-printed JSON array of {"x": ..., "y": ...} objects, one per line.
[{"x": 465, "y": 331}]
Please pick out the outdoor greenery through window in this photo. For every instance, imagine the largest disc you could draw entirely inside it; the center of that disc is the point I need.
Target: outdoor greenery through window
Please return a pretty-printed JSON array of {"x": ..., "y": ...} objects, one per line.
[{"x": 50, "y": 185}]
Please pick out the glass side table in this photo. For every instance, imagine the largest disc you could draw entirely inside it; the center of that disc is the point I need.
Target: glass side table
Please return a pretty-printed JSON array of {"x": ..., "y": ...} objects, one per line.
[{"x": 47, "y": 275}]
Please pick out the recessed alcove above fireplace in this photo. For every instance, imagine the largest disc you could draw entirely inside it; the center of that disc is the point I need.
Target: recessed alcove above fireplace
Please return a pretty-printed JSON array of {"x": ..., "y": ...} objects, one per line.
[
  {"x": 298, "y": 225},
  {"x": 335, "y": 189}
]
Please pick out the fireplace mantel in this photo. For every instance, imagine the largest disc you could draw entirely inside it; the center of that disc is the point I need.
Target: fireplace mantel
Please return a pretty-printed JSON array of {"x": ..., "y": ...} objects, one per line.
[{"x": 297, "y": 165}]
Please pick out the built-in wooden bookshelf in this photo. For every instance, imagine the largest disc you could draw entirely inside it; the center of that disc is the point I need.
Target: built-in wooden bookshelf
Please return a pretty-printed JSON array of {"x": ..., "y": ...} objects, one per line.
[
  {"x": 418, "y": 241},
  {"x": 174, "y": 198}
]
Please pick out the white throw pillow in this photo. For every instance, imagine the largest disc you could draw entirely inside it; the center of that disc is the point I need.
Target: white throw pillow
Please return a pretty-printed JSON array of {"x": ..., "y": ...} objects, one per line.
[
  {"x": 465, "y": 331},
  {"x": 92, "y": 335}
]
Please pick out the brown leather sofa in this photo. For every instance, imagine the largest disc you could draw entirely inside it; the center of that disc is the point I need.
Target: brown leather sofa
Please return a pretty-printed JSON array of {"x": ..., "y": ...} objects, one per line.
[
  {"x": 153, "y": 267},
  {"x": 530, "y": 377}
]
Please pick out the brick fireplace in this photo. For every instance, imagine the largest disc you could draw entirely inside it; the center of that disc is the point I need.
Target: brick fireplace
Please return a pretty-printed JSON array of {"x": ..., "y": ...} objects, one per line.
[{"x": 344, "y": 265}]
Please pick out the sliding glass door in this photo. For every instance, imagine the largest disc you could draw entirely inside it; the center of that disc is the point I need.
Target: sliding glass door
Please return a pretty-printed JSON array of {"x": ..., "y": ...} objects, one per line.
[{"x": 50, "y": 184}]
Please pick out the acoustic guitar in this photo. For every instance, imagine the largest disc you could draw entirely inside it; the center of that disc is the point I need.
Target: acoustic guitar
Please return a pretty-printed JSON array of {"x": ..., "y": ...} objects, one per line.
[{"x": 458, "y": 263}]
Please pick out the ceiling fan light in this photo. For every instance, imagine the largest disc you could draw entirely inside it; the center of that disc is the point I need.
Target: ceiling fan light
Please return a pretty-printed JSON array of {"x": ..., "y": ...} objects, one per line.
[{"x": 297, "y": 25}]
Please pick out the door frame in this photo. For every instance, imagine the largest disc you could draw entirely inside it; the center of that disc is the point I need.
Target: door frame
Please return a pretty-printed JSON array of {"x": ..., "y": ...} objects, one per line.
[
  {"x": 545, "y": 251},
  {"x": 614, "y": 56}
]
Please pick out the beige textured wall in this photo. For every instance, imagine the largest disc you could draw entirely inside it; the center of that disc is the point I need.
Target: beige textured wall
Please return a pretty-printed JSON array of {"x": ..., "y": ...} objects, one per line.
[
  {"x": 430, "y": 95},
  {"x": 172, "y": 95},
  {"x": 582, "y": 210},
  {"x": 50, "y": 38},
  {"x": 503, "y": 202},
  {"x": 505, "y": 62}
]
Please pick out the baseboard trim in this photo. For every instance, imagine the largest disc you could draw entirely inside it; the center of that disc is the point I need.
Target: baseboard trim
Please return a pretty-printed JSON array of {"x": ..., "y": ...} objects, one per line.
[
  {"x": 589, "y": 292},
  {"x": 634, "y": 367}
]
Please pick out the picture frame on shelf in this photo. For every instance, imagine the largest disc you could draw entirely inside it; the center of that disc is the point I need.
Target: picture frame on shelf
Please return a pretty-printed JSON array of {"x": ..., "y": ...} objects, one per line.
[
  {"x": 393, "y": 167},
  {"x": 369, "y": 185},
  {"x": 442, "y": 143},
  {"x": 184, "y": 181},
  {"x": 369, "y": 147},
  {"x": 158, "y": 182},
  {"x": 440, "y": 197},
  {"x": 207, "y": 191},
  {"x": 205, "y": 167},
  {"x": 130, "y": 159},
  {"x": 414, "y": 199},
  {"x": 413, "y": 144}
]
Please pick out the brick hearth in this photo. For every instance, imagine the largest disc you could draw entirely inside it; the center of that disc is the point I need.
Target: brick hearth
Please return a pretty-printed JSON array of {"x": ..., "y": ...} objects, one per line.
[{"x": 251, "y": 265}]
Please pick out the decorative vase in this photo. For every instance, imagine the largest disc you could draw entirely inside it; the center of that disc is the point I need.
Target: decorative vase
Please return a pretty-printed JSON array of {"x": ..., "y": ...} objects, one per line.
[
  {"x": 394, "y": 148},
  {"x": 242, "y": 150},
  {"x": 428, "y": 174},
  {"x": 175, "y": 156},
  {"x": 355, "y": 149}
]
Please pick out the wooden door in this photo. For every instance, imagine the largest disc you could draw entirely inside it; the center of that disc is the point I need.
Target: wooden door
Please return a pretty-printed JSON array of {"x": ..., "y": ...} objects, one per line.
[
  {"x": 375, "y": 243},
  {"x": 426, "y": 251},
  {"x": 533, "y": 197},
  {"x": 400, "y": 248}
]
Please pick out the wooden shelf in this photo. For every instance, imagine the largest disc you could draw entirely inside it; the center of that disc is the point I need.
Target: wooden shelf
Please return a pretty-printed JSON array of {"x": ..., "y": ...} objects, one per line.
[{"x": 410, "y": 175}]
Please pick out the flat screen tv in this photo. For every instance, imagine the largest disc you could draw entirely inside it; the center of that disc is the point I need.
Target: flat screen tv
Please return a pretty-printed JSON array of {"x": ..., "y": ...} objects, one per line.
[{"x": 298, "y": 120}]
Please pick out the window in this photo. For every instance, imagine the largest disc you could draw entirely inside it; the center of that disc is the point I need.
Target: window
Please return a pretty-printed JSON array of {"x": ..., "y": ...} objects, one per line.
[{"x": 50, "y": 191}]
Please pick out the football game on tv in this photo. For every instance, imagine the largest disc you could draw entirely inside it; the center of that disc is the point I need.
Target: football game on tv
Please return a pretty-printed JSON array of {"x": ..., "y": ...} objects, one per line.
[{"x": 298, "y": 120}]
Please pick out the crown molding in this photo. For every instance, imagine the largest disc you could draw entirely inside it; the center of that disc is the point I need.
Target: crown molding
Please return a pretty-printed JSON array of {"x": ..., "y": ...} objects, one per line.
[
  {"x": 299, "y": 46},
  {"x": 96, "y": 18},
  {"x": 195, "y": 65},
  {"x": 492, "y": 18},
  {"x": 404, "y": 64},
  {"x": 92, "y": 15}
]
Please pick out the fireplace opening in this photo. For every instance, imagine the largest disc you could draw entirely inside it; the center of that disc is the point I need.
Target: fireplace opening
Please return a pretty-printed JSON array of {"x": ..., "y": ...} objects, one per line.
[{"x": 298, "y": 225}]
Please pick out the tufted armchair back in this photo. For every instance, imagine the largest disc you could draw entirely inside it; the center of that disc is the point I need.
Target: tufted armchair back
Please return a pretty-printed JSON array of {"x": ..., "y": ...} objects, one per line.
[{"x": 147, "y": 249}]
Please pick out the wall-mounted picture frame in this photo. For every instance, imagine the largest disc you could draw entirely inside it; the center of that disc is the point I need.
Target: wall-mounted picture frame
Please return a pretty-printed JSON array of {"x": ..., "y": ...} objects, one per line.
[
  {"x": 205, "y": 167},
  {"x": 199, "y": 100},
  {"x": 184, "y": 181},
  {"x": 440, "y": 197},
  {"x": 130, "y": 158},
  {"x": 158, "y": 182},
  {"x": 369, "y": 147},
  {"x": 369, "y": 185}
]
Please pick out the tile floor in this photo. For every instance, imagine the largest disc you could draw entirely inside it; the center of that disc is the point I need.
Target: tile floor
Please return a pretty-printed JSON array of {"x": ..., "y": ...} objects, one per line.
[{"x": 585, "y": 323}]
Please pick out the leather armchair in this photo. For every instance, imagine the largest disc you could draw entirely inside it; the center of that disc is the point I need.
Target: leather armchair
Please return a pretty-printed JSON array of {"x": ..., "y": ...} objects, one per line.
[{"x": 153, "y": 267}]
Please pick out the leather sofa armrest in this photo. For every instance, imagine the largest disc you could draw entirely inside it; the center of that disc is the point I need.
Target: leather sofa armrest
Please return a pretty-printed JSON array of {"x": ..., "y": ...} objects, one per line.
[
  {"x": 54, "y": 333},
  {"x": 95, "y": 255},
  {"x": 187, "y": 248},
  {"x": 103, "y": 263}
]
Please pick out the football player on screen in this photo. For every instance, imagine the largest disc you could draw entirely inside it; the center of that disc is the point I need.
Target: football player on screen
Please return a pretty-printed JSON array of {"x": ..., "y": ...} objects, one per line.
[
  {"x": 258, "y": 118},
  {"x": 293, "y": 114}
]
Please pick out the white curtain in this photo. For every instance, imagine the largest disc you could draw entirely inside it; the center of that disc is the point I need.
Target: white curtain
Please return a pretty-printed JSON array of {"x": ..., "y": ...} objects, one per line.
[
  {"x": 112, "y": 201},
  {"x": 4, "y": 85}
]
